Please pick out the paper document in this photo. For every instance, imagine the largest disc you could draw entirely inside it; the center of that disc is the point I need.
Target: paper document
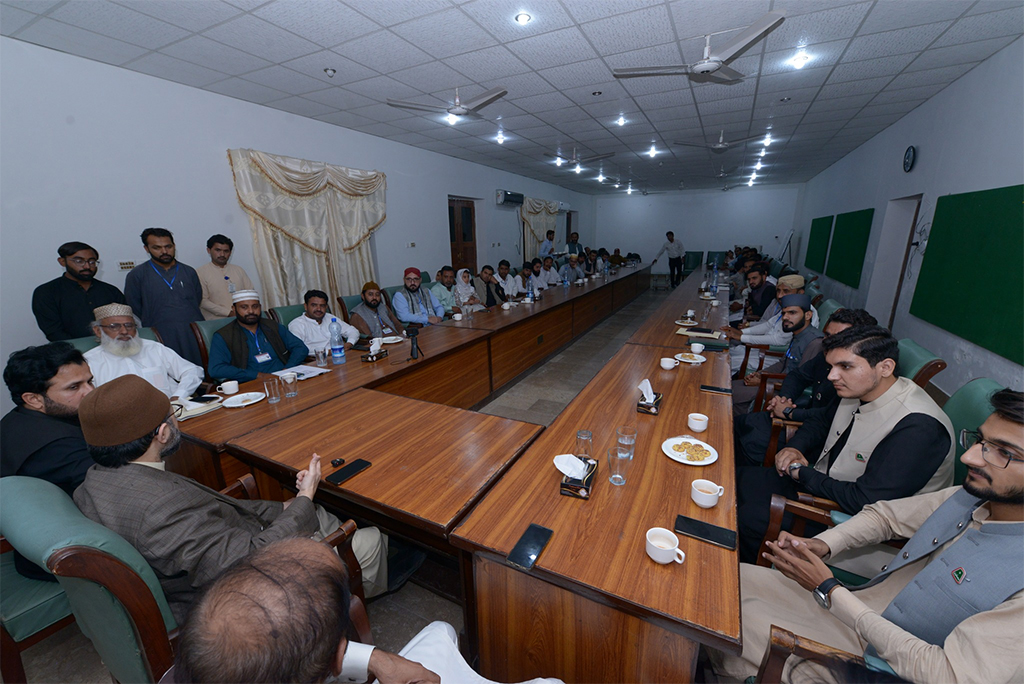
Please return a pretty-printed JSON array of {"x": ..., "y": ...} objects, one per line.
[{"x": 304, "y": 372}]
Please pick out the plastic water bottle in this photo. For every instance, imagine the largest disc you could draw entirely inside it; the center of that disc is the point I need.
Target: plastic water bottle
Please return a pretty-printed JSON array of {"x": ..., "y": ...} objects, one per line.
[
  {"x": 565, "y": 281},
  {"x": 714, "y": 279},
  {"x": 337, "y": 342}
]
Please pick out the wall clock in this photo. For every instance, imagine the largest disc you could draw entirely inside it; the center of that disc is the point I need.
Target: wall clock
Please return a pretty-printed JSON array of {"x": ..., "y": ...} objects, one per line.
[{"x": 908, "y": 158}]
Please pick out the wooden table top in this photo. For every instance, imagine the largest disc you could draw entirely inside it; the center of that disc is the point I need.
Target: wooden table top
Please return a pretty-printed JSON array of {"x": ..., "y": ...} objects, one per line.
[
  {"x": 430, "y": 462},
  {"x": 598, "y": 544},
  {"x": 659, "y": 330},
  {"x": 216, "y": 428}
]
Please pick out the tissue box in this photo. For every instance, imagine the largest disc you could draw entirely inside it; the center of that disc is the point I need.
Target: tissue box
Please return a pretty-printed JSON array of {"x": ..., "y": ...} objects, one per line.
[
  {"x": 651, "y": 408},
  {"x": 579, "y": 489},
  {"x": 370, "y": 358}
]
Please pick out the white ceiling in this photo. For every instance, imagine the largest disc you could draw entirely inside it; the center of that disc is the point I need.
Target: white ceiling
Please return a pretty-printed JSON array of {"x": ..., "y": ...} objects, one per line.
[{"x": 873, "y": 61}]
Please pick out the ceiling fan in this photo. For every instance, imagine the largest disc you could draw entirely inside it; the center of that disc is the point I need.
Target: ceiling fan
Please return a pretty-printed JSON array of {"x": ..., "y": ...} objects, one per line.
[
  {"x": 722, "y": 145},
  {"x": 470, "y": 108},
  {"x": 576, "y": 159},
  {"x": 713, "y": 65},
  {"x": 721, "y": 175}
]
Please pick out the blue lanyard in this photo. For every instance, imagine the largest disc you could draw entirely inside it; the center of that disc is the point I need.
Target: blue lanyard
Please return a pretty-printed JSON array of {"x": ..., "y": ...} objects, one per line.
[
  {"x": 175, "y": 277},
  {"x": 256, "y": 339}
]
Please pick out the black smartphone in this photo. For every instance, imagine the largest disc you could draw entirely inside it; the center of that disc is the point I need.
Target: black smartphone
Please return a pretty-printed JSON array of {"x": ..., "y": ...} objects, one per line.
[
  {"x": 204, "y": 398},
  {"x": 524, "y": 553},
  {"x": 706, "y": 331},
  {"x": 715, "y": 390},
  {"x": 356, "y": 466},
  {"x": 719, "y": 536}
]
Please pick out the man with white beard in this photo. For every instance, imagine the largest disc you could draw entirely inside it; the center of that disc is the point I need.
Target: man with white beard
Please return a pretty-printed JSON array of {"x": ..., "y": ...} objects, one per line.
[{"x": 123, "y": 352}]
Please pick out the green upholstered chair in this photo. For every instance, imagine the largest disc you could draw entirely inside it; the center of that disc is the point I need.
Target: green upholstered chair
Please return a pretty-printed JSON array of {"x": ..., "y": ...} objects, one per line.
[
  {"x": 827, "y": 308},
  {"x": 692, "y": 262},
  {"x": 348, "y": 302},
  {"x": 389, "y": 292},
  {"x": 816, "y": 296},
  {"x": 425, "y": 275},
  {"x": 84, "y": 344},
  {"x": 286, "y": 314},
  {"x": 114, "y": 594},
  {"x": 968, "y": 408},
  {"x": 917, "y": 363},
  {"x": 775, "y": 268},
  {"x": 203, "y": 332},
  {"x": 789, "y": 270},
  {"x": 716, "y": 258}
]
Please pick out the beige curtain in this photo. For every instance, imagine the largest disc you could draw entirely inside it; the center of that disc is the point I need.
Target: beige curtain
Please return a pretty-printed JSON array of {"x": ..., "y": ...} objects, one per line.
[
  {"x": 539, "y": 216},
  {"x": 311, "y": 223}
]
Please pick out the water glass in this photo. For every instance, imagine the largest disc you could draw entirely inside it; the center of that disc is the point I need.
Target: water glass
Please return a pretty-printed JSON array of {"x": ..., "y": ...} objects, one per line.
[
  {"x": 618, "y": 465},
  {"x": 321, "y": 357},
  {"x": 291, "y": 384},
  {"x": 584, "y": 443},
  {"x": 626, "y": 437},
  {"x": 273, "y": 390}
]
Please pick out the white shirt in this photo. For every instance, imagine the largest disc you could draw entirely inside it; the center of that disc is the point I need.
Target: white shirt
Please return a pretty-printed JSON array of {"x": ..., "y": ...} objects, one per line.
[
  {"x": 509, "y": 285},
  {"x": 550, "y": 276},
  {"x": 318, "y": 335},
  {"x": 355, "y": 666},
  {"x": 675, "y": 249},
  {"x": 158, "y": 365}
]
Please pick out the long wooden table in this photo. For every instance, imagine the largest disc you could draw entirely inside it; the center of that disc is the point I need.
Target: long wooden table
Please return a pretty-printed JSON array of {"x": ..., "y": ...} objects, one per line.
[{"x": 660, "y": 330}]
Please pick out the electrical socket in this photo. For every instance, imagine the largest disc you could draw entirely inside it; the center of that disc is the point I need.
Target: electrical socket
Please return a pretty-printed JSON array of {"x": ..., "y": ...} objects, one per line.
[
  {"x": 412, "y": 244},
  {"x": 125, "y": 265}
]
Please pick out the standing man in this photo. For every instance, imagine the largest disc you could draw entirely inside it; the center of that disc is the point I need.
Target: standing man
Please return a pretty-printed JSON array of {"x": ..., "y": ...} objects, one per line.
[
  {"x": 675, "y": 258},
  {"x": 251, "y": 344},
  {"x": 220, "y": 279},
  {"x": 415, "y": 305},
  {"x": 166, "y": 294},
  {"x": 313, "y": 327},
  {"x": 547, "y": 248},
  {"x": 573, "y": 246},
  {"x": 63, "y": 307}
]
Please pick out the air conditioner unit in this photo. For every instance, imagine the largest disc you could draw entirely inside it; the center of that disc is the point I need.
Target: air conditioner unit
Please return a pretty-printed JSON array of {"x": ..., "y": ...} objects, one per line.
[
  {"x": 511, "y": 198},
  {"x": 563, "y": 207}
]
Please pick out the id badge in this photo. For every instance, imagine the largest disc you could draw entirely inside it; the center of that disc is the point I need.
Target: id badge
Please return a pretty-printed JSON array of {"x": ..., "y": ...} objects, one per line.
[{"x": 262, "y": 358}]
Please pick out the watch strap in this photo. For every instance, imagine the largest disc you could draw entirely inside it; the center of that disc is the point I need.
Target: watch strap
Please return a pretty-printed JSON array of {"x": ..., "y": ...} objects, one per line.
[{"x": 823, "y": 590}]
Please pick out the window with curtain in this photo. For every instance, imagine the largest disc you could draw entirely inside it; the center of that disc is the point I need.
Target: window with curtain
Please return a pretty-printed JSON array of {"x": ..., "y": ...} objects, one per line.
[{"x": 539, "y": 216}]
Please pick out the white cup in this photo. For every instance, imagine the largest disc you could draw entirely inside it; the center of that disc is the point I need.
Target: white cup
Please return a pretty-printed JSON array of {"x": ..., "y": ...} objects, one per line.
[
  {"x": 696, "y": 347},
  {"x": 690, "y": 313},
  {"x": 705, "y": 493},
  {"x": 663, "y": 546},
  {"x": 697, "y": 422},
  {"x": 506, "y": 306},
  {"x": 715, "y": 303},
  {"x": 669, "y": 363},
  {"x": 229, "y": 387},
  {"x": 456, "y": 317}
]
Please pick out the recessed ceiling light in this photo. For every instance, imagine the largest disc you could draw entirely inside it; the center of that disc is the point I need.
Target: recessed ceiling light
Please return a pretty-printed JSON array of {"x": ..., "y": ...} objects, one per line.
[
  {"x": 767, "y": 139},
  {"x": 753, "y": 176},
  {"x": 629, "y": 190},
  {"x": 621, "y": 120},
  {"x": 785, "y": 99},
  {"x": 500, "y": 138},
  {"x": 750, "y": 183},
  {"x": 452, "y": 119},
  {"x": 616, "y": 185},
  {"x": 330, "y": 72},
  {"x": 762, "y": 153},
  {"x": 559, "y": 161},
  {"x": 523, "y": 18},
  {"x": 799, "y": 60},
  {"x": 600, "y": 178},
  {"x": 596, "y": 93},
  {"x": 578, "y": 168},
  {"x": 758, "y": 167},
  {"x": 652, "y": 151}
]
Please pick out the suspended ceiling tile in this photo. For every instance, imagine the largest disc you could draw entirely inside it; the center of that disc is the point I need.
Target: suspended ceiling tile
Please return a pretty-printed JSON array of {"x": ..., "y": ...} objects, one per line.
[
  {"x": 383, "y": 51},
  {"x": 657, "y": 84},
  {"x": 390, "y": 12},
  {"x": 53, "y": 34},
  {"x": 256, "y": 36},
  {"x": 543, "y": 103},
  {"x": 246, "y": 90},
  {"x": 818, "y": 27},
  {"x": 887, "y": 15},
  {"x": 803, "y": 78},
  {"x": 498, "y": 17},
  {"x": 733, "y": 104},
  {"x": 34, "y": 6},
  {"x": 436, "y": 76},
  {"x": 382, "y": 113},
  {"x": 301, "y": 106},
  {"x": 285, "y": 80},
  {"x": 907, "y": 94},
  {"x": 488, "y": 65},
  {"x": 382, "y": 87},
  {"x": 345, "y": 119},
  {"x": 959, "y": 54},
  {"x": 553, "y": 49},
  {"x": 12, "y": 19},
  {"x": 993, "y": 6},
  {"x": 346, "y": 71},
  {"x": 203, "y": 51},
  {"x": 325, "y": 24},
  {"x": 445, "y": 34},
  {"x": 339, "y": 98},
  {"x": 1006, "y": 22},
  {"x": 794, "y": 95},
  {"x": 108, "y": 19},
  {"x": 870, "y": 68},
  {"x": 247, "y": 5},
  {"x": 524, "y": 85},
  {"x": 902, "y": 41},
  {"x": 865, "y": 86},
  {"x": 590, "y": 10},
  {"x": 679, "y": 98},
  {"x": 577, "y": 74},
  {"x": 701, "y": 17},
  {"x": 714, "y": 91},
  {"x": 172, "y": 69},
  {"x": 383, "y": 130},
  {"x": 822, "y": 54},
  {"x": 944, "y": 75},
  {"x": 632, "y": 31},
  {"x": 612, "y": 92},
  {"x": 890, "y": 108},
  {"x": 192, "y": 15}
]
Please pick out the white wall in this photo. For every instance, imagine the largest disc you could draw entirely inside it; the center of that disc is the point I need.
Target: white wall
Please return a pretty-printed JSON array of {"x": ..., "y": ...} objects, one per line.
[
  {"x": 968, "y": 137},
  {"x": 96, "y": 153},
  {"x": 704, "y": 220}
]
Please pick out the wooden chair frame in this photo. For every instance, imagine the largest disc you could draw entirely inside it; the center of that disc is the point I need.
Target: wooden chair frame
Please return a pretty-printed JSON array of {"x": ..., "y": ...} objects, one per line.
[
  {"x": 765, "y": 353},
  {"x": 929, "y": 371},
  {"x": 784, "y": 643},
  {"x": 763, "y": 395}
]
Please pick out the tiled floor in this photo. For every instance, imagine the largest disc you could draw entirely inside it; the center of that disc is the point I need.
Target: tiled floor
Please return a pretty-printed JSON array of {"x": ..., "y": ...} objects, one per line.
[{"x": 68, "y": 656}]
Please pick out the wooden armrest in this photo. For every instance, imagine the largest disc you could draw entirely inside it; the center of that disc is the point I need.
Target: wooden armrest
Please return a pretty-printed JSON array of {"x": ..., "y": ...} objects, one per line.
[
  {"x": 778, "y": 425},
  {"x": 762, "y": 389},
  {"x": 817, "y": 502},
  {"x": 803, "y": 512},
  {"x": 341, "y": 541},
  {"x": 243, "y": 488},
  {"x": 784, "y": 643},
  {"x": 5, "y": 546}
]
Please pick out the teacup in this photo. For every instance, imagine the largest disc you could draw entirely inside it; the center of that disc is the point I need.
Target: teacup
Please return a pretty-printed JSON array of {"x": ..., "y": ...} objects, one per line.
[
  {"x": 669, "y": 363},
  {"x": 506, "y": 306},
  {"x": 229, "y": 387},
  {"x": 690, "y": 313},
  {"x": 456, "y": 317},
  {"x": 697, "y": 422},
  {"x": 715, "y": 303},
  {"x": 663, "y": 546},
  {"x": 696, "y": 347},
  {"x": 705, "y": 493}
]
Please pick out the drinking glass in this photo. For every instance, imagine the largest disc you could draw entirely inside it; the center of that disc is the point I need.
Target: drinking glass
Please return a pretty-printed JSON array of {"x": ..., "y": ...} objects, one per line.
[
  {"x": 626, "y": 436},
  {"x": 291, "y": 384},
  {"x": 618, "y": 465},
  {"x": 584, "y": 443},
  {"x": 321, "y": 357},
  {"x": 273, "y": 390}
]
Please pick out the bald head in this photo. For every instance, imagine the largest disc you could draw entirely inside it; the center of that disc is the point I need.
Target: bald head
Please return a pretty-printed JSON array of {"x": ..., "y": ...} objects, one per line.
[{"x": 279, "y": 615}]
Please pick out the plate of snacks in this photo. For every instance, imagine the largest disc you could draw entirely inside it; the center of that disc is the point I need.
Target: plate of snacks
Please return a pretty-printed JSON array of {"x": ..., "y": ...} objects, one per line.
[
  {"x": 689, "y": 451},
  {"x": 687, "y": 357}
]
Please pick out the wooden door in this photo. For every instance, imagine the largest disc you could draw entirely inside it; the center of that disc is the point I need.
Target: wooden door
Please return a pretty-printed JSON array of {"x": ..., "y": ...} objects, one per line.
[{"x": 462, "y": 233}]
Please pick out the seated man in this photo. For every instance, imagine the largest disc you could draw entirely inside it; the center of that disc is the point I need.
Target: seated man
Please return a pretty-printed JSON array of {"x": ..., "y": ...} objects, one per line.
[
  {"x": 762, "y": 293},
  {"x": 416, "y": 305},
  {"x": 616, "y": 259},
  {"x": 547, "y": 248},
  {"x": 488, "y": 289},
  {"x": 537, "y": 267},
  {"x": 572, "y": 269},
  {"x": 251, "y": 344},
  {"x": 593, "y": 264},
  {"x": 804, "y": 345},
  {"x": 524, "y": 281},
  {"x": 444, "y": 290},
  {"x": 769, "y": 329},
  {"x": 40, "y": 437},
  {"x": 548, "y": 273},
  {"x": 313, "y": 327},
  {"x": 123, "y": 352},
  {"x": 752, "y": 431},
  {"x": 188, "y": 533},
  {"x": 887, "y": 439},
  {"x": 949, "y": 608},
  {"x": 372, "y": 317},
  {"x": 507, "y": 279},
  {"x": 738, "y": 281}
]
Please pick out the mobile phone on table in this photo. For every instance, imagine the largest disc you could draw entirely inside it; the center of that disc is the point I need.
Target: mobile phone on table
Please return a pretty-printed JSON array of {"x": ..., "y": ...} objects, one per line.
[
  {"x": 356, "y": 466},
  {"x": 698, "y": 529},
  {"x": 524, "y": 553},
  {"x": 204, "y": 398},
  {"x": 716, "y": 390}
]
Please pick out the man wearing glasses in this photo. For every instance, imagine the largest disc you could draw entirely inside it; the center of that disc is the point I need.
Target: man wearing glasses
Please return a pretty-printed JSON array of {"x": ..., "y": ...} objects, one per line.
[
  {"x": 123, "y": 352},
  {"x": 63, "y": 307},
  {"x": 948, "y": 608}
]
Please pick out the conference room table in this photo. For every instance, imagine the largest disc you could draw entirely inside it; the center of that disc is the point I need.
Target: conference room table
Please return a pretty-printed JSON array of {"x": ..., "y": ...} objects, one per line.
[
  {"x": 660, "y": 328},
  {"x": 595, "y": 608}
]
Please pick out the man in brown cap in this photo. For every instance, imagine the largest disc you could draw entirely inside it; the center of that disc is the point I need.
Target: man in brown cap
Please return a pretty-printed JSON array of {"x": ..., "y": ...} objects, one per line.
[
  {"x": 372, "y": 317},
  {"x": 187, "y": 532}
]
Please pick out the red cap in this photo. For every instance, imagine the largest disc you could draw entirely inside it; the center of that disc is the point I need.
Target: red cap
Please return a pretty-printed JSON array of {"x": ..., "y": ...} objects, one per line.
[{"x": 412, "y": 271}]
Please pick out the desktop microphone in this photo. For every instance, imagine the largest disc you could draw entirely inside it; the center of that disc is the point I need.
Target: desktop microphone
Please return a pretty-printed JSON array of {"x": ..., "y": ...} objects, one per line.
[{"x": 412, "y": 332}]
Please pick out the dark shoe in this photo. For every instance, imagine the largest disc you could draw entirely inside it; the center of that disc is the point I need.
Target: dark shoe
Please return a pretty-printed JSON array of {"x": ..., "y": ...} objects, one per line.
[{"x": 404, "y": 559}]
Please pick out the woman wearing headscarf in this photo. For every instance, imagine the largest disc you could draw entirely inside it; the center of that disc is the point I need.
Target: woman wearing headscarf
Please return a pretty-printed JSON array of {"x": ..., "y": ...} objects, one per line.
[{"x": 465, "y": 293}]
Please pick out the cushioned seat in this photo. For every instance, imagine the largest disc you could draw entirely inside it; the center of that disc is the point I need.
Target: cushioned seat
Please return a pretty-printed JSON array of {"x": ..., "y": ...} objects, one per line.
[
  {"x": 84, "y": 344},
  {"x": 716, "y": 258},
  {"x": 691, "y": 262},
  {"x": 827, "y": 308},
  {"x": 425, "y": 275},
  {"x": 27, "y": 605},
  {"x": 347, "y": 303},
  {"x": 203, "y": 332},
  {"x": 917, "y": 363},
  {"x": 286, "y": 314},
  {"x": 389, "y": 292},
  {"x": 775, "y": 268}
]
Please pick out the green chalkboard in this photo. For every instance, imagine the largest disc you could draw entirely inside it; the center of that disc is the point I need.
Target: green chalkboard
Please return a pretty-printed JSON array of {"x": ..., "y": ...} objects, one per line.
[
  {"x": 849, "y": 246},
  {"x": 971, "y": 281},
  {"x": 817, "y": 243}
]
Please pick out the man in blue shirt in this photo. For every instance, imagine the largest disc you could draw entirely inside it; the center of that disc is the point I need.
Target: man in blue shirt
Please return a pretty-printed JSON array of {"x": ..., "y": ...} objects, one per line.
[
  {"x": 547, "y": 248},
  {"x": 413, "y": 304},
  {"x": 251, "y": 344}
]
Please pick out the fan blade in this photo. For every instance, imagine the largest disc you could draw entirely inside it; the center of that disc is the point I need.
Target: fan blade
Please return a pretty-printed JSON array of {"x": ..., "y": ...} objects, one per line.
[
  {"x": 402, "y": 104},
  {"x": 596, "y": 157},
  {"x": 484, "y": 99},
  {"x": 640, "y": 72},
  {"x": 743, "y": 140},
  {"x": 687, "y": 144},
  {"x": 725, "y": 74},
  {"x": 750, "y": 35}
]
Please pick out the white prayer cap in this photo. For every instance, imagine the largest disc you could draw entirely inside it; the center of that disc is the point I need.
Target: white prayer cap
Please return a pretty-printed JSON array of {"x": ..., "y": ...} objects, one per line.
[
  {"x": 245, "y": 296},
  {"x": 108, "y": 310}
]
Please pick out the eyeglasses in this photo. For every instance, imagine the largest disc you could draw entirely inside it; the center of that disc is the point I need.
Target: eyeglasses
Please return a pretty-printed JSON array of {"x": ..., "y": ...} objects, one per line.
[
  {"x": 78, "y": 261},
  {"x": 993, "y": 454},
  {"x": 114, "y": 327},
  {"x": 177, "y": 410}
]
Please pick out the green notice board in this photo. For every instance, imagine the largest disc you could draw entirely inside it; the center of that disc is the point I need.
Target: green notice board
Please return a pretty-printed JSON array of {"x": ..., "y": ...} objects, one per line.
[
  {"x": 849, "y": 246},
  {"x": 817, "y": 243},
  {"x": 971, "y": 281}
]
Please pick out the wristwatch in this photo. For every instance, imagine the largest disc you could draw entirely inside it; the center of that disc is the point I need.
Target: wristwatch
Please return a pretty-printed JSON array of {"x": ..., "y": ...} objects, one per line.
[
  {"x": 822, "y": 591},
  {"x": 788, "y": 411}
]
